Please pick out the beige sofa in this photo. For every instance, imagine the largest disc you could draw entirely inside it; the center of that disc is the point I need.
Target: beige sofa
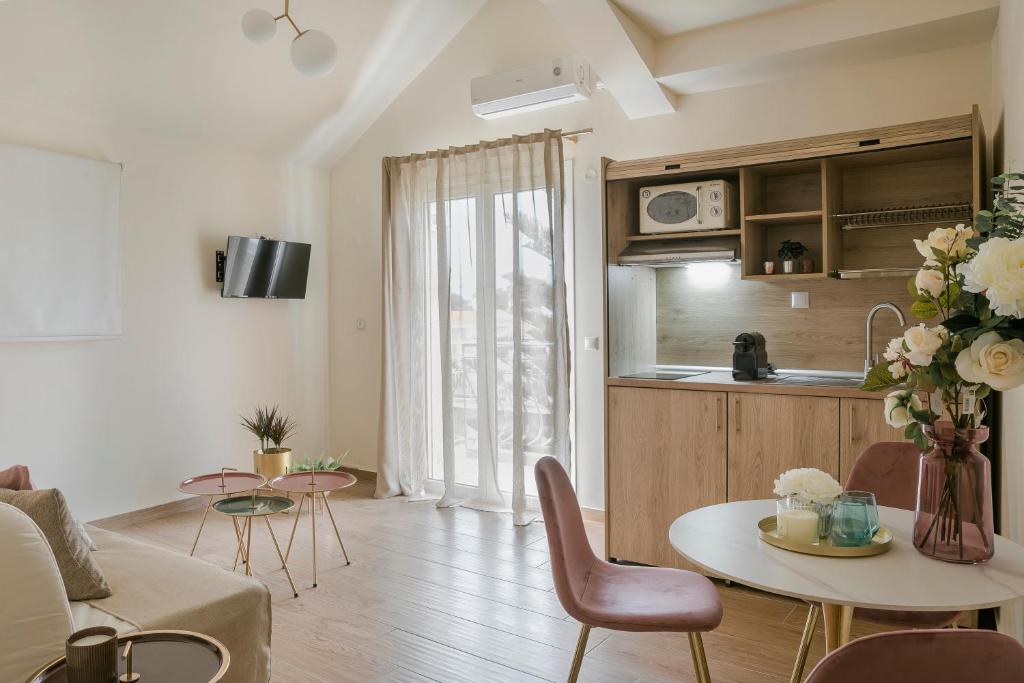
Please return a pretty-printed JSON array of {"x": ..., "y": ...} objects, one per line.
[{"x": 152, "y": 588}]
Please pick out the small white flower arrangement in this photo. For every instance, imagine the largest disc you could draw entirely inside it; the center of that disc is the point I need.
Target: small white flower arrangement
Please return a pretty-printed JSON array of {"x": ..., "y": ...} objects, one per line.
[{"x": 809, "y": 484}]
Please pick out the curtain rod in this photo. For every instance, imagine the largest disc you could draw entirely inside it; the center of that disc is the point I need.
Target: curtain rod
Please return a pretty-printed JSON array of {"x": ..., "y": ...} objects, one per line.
[
  {"x": 572, "y": 134},
  {"x": 577, "y": 133}
]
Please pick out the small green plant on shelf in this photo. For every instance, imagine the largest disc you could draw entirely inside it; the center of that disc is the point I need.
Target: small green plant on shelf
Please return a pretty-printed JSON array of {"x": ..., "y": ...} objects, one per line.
[
  {"x": 789, "y": 252},
  {"x": 321, "y": 464}
]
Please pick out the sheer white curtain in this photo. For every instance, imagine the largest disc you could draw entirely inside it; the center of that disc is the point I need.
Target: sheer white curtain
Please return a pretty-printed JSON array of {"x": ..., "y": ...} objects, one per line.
[{"x": 476, "y": 343}]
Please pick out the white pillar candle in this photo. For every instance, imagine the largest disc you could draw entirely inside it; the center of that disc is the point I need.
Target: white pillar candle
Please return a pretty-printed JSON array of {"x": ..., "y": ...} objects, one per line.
[
  {"x": 90, "y": 640},
  {"x": 798, "y": 525}
]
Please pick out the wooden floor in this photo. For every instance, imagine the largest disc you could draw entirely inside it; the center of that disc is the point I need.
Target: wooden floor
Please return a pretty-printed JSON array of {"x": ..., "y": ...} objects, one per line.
[{"x": 461, "y": 595}]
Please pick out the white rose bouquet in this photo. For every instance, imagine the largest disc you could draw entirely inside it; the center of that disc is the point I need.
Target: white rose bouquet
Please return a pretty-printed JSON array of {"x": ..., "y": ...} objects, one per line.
[
  {"x": 809, "y": 484},
  {"x": 973, "y": 278}
]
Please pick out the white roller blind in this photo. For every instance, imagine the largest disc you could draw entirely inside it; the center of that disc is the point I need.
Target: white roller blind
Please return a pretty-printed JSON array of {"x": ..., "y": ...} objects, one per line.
[{"x": 60, "y": 246}]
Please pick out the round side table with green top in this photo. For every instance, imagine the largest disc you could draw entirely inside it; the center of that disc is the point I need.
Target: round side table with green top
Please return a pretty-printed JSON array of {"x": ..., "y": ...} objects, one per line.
[
  {"x": 227, "y": 482},
  {"x": 246, "y": 508}
]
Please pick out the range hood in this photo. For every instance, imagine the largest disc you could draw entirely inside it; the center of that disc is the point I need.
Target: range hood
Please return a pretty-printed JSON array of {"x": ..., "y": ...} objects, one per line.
[{"x": 677, "y": 252}]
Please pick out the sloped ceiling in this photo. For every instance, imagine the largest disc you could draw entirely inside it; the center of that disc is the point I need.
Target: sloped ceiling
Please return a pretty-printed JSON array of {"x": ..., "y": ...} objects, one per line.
[{"x": 183, "y": 67}]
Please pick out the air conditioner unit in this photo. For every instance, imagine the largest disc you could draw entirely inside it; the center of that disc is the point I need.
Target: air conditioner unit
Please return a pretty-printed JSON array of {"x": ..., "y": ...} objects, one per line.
[{"x": 558, "y": 81}]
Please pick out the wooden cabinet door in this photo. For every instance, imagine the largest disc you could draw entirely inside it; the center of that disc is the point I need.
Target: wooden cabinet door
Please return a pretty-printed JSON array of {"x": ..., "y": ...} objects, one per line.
[
  {"x": 771, "y": 433},
  {"x": 861, "y": 424},
  {"x": 666, "y": 456}
]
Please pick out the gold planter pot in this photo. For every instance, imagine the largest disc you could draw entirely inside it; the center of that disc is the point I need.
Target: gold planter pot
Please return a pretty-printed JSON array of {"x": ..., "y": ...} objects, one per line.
[{"x": 273, "y": 463}]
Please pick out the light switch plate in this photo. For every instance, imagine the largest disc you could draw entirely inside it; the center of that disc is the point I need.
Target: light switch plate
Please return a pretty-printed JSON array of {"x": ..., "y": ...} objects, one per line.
[
  {"x": 591, "y": 343},
  {"x": 360, "y": 323},
  {"x": 799, "y": 300}
]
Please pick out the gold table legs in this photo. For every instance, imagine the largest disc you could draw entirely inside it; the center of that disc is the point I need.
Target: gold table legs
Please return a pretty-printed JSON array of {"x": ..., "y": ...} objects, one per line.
[
  {"x": 206, "y": 511},
  {"x": 312, "y": 516},
  {"x": 805, "y": 643},
  {"x": 245, "y": 548},
  {"x": 838, "y": 619}
]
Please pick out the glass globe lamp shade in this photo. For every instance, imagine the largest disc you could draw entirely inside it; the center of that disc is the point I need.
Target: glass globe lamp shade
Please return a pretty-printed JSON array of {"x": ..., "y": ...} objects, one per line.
[
  {"x": 314, "y": 53},
  {"x": 259, "y": 25}
]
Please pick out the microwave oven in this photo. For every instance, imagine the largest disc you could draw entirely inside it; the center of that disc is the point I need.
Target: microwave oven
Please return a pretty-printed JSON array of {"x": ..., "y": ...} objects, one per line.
[{"x": 704, "y": 205}]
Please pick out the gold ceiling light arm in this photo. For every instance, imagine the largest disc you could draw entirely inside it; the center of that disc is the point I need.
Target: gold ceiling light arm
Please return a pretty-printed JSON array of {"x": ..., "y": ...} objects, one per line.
[{"x": 288, "y": 16}]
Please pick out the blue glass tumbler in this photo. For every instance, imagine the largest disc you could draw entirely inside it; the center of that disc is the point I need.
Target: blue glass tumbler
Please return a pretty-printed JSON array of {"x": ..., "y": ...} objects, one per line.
[{"x": 854, "y": 519}]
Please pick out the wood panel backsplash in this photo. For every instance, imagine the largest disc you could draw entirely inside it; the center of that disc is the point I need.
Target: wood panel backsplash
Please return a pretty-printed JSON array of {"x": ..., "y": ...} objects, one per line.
[{"x": 699, "y": 315}]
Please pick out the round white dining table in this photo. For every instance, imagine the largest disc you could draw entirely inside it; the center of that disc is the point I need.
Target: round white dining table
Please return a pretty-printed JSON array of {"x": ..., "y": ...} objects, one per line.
[{"x": 723, "y": 541}]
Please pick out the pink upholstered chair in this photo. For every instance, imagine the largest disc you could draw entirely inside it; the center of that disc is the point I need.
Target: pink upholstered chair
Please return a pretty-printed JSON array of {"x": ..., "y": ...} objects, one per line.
[
  {"x": 617, "y": 597},
  {"x": 925, "y": 656},
  {"x": 889, "y": 470}
]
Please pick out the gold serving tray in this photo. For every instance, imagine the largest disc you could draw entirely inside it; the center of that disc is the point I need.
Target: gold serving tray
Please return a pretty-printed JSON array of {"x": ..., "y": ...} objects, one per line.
[{"x": 880, "y": 544}]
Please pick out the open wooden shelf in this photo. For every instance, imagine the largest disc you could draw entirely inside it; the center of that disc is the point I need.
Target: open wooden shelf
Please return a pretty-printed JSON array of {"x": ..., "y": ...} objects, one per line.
[
  {"x": 786, "y": 217},
  {"x": 684, "y": 235},
  {"x": 783, "y": 277}
]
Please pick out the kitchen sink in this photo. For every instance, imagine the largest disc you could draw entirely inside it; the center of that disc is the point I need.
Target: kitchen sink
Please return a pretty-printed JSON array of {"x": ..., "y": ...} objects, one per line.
[{"x": 819, "y": 381}]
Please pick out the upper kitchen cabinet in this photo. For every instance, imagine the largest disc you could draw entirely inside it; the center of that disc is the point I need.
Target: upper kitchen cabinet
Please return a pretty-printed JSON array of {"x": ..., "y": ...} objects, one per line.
[
  {"x": 854, "y": 200},
  {"x": 780, "y": 202}
]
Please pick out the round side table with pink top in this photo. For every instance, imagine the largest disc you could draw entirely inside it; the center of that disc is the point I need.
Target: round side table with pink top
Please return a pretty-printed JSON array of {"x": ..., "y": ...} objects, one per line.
[
  {"x": 228, "y": 482},
  {"x": 311, "y": 485}
]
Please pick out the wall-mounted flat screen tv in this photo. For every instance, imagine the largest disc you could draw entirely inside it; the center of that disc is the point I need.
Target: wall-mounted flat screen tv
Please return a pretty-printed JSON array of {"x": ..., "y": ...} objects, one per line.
[{"x": 267, "y": 269}]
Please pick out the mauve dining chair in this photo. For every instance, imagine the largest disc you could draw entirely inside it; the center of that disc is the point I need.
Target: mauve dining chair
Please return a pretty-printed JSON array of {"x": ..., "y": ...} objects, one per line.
[
  {"x": 887, "y": 469},
  {"x": 924, "y": 656},
  {"x": 618, "y": 597}
]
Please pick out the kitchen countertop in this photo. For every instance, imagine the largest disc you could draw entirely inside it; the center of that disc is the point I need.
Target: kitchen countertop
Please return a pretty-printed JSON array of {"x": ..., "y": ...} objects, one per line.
[{"x": 792, "y": 385}]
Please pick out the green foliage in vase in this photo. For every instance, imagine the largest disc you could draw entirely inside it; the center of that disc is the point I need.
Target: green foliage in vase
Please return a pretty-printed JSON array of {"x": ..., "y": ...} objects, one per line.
[
  {"x": 321, "y": 464},
  {"x": 269, "y": 426},
  {"x": 973, "y": 282}
]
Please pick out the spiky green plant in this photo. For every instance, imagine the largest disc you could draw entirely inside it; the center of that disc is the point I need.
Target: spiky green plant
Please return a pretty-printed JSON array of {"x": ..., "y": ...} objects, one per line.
[
  {"x": 281, "y": 427},
  {"x": 269, "y": 426}
]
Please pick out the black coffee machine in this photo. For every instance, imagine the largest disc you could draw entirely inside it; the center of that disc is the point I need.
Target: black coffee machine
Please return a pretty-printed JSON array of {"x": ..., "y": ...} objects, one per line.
[{"x": 750, "y": 357}]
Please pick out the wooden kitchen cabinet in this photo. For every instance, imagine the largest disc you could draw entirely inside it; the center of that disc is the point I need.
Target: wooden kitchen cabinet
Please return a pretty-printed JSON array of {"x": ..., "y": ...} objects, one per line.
[
  {"x": 861, "y": 424},
  {"x": 770, "y": 433},
  {"x": 666, "y": 456}
]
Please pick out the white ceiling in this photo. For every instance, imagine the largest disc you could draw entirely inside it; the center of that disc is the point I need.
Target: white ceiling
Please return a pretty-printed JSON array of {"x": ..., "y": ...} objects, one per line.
[
  {"x": 663, "y": 18},
  {"x": 183, "y": 67}
]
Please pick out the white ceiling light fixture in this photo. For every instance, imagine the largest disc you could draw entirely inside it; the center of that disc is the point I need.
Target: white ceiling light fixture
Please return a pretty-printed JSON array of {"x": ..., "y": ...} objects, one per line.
[{"x": 313, "y": 52}]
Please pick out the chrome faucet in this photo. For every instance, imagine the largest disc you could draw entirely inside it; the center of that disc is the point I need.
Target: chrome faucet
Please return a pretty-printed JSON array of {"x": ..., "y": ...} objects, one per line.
[{"x": 870, "y": 359}]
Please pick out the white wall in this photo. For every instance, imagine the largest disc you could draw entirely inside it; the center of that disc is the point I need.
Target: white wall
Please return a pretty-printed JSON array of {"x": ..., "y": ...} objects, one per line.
[
  {"x": 1008, "y": 100},
  {"x": 117, "y": 424},
  {"x": 434, "y": 112}
]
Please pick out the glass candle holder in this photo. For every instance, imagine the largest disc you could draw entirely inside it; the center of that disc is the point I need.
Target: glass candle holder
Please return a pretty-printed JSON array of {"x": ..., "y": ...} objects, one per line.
[
  {"x": 796, "y": 520},
  {"x": 854, "y": 519}
]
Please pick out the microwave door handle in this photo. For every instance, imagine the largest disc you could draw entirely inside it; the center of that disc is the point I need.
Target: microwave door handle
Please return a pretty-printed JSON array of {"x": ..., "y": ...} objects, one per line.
[{"x": 697, "y": 194}]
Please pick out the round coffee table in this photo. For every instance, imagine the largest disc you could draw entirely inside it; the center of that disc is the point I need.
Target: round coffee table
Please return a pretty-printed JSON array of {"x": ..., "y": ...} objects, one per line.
[
  {"x": 160, "y": 657},
  {"x": 313, "y": 484},
  {"x": 246, "y": 508},
  {"x": 228, "y": 482}
]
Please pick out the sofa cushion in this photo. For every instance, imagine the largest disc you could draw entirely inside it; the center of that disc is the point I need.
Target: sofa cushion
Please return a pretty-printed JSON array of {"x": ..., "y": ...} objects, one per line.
[
  {"x": 47, "y": 508},
  {"x": 36, "y": 620},
  {"x": 157, "y": 588}
]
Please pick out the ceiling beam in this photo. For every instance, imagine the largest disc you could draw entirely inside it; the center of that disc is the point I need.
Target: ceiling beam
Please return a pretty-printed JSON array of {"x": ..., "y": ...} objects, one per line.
[
  {"x": 818, "y": 36},
  {"x": 616, "y": 48},
  {"x": 416, "y": 32}
]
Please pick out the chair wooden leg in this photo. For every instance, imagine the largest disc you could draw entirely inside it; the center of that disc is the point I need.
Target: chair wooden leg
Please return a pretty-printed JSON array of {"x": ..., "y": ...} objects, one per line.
[
  {"x": 805, "y": 643},
  {"x": 700, "y": 661},
  {"x": 577, "y": 659}
]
